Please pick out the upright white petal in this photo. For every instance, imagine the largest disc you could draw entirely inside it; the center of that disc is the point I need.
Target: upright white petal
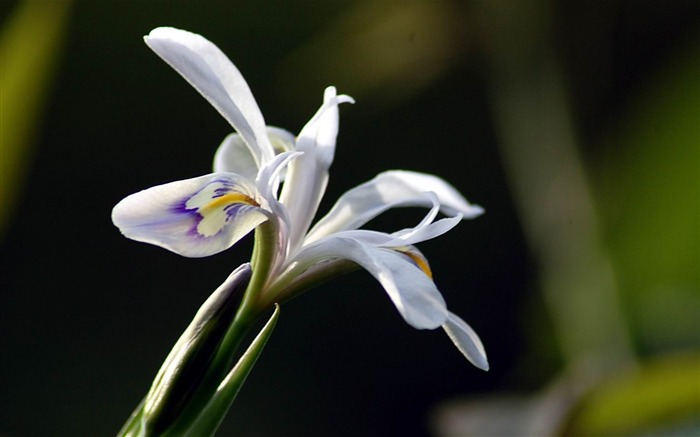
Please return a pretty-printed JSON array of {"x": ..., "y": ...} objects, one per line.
[
  {"x": 307, "y": 176},
  {"x": 466, "y": 340},
  {"x": 194, "y": 217},
  {"x": 211, "y": 73},
  {"x": 391, "y": 189},
  {"x": 415, "y": 296}
]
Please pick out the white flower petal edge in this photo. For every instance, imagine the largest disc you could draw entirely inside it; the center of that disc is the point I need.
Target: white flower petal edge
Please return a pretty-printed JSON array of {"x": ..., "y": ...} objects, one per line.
[
  {"x": 211, "y": 73},
  {"x": 193, "y": 217},
  {"x": 390, "y": 189},
  {"x": 466, "y": 340}
]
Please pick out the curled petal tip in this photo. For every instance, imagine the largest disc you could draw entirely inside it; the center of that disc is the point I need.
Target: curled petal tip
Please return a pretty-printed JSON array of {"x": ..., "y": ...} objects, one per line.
[
  {"x": 331, "y": 93},
  {"x": 344, "y": 98}
]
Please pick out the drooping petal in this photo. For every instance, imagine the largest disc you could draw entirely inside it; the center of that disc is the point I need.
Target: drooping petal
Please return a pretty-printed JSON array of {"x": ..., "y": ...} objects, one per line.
[
  {"x": 307, "y": 176},
  {"x": 466, "y": 340},
  {"x": 413, "y": 293},
  {"x": 391, "y": 189},
  {"x": 194, "y": 217},
  {"x": 211, "y": 73}
]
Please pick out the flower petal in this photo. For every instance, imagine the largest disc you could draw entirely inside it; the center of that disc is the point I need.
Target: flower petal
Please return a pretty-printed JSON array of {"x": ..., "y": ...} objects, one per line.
[
  {"x": 267, "y": 181},
  {"x": 391, "y": 189},
  {"x": 282, "y": 140},
  {"x": 424, "y": 233},
  {"x": 321, "y": 131},
  {"x": 407, "y": 237},
  {"x": 233, "y": 156},
  {"x": 307, "y": 176},
  {"x": 194, "y": 217},
  {"x": 211, "y": 73},
  {"x": 466, "y": 340},
  {"x": 415, "y": 296}
]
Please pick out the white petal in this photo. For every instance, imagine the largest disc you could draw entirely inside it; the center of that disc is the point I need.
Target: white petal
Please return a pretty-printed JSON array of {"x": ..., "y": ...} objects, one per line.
[
  {"x": 281, "y": 139},
  {"x": 270, "y": 173},
  {"x": 233, "y": 156},
  {"x": 194, "y": 217},
  {"x": 321, "y": 131},
  {"x": 307, "y": 176},
  {"x": 391, "y": 189},
  {"x": 466, "y": 340},
  {"x": 407, "y": 237},
  {"x": 211, "y": 73},
  {"x": 424, "y": 232},
  {"x": 415, "y": 296},
  {"x": 268, "y": 182}
]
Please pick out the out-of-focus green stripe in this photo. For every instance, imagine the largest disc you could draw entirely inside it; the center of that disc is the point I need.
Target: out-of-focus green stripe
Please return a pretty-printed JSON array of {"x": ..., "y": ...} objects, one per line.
[{"x": 30, "y": 43}]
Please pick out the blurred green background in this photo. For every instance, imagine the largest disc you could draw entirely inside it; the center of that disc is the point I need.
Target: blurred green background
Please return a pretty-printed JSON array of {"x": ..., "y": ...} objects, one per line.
[{"x": 576, "y": 125}]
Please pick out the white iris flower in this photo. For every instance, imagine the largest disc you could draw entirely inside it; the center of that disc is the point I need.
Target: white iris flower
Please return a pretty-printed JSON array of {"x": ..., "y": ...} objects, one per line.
[{"x": 266, "y": 178}]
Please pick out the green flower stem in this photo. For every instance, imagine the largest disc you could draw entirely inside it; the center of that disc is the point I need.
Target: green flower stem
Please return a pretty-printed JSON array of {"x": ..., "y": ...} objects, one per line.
[{"x": 262, "y": 261}]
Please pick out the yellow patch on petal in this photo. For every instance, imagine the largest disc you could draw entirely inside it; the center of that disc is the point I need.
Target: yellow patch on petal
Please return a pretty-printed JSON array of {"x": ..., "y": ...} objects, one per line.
[
  {"x": 213, "y": 206},
  {"x": 228, "y": 199},
  {"x": 418, "y": 259},
  {"x": 214, "y": 214}
]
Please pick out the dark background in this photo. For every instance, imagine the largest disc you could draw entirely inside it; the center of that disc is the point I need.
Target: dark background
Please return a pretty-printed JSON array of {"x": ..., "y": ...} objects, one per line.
[{"x": 88, "y": 316}]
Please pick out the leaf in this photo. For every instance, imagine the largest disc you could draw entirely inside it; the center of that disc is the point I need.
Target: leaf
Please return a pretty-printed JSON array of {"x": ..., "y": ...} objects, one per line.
[{"x": 213, "y": 414}]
